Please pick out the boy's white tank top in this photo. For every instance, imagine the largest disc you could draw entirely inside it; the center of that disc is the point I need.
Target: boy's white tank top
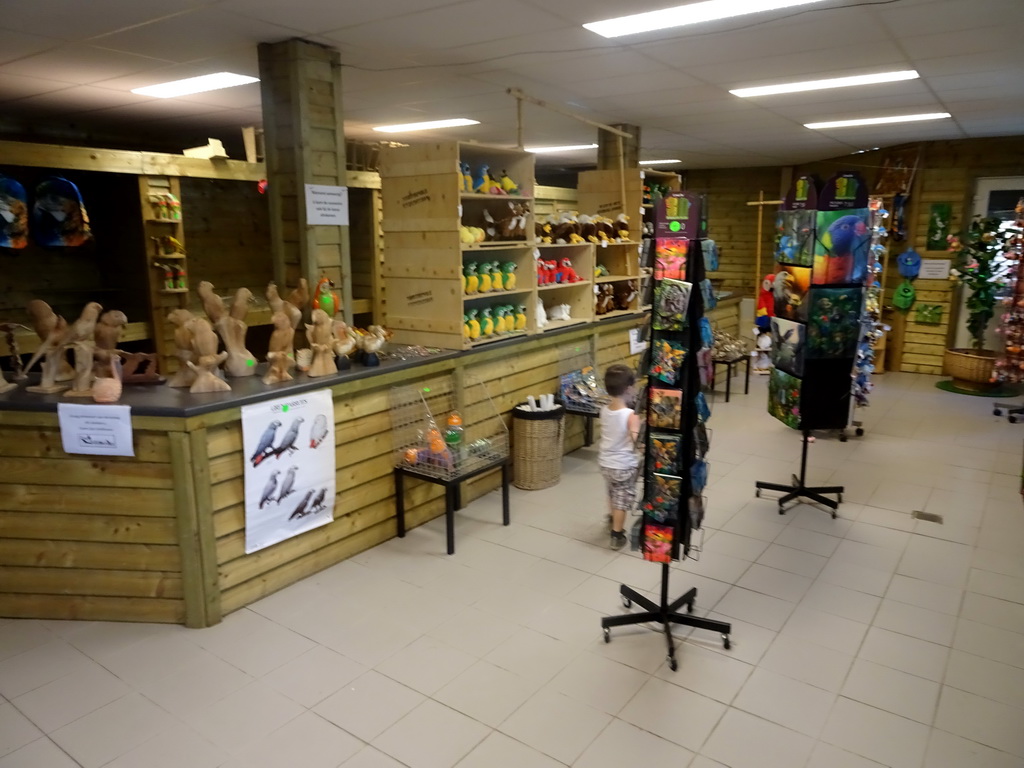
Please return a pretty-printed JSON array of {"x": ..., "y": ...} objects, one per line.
[{"x": 616, "y": 447}]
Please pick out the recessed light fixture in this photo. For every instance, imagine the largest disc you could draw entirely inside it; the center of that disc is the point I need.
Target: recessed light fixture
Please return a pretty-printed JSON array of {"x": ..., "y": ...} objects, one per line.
[
  {"x": 200, "y": 84},
  {"x": 878, "y": 120},
  {"x": 684, "y": 15},
  {"x": 566, "y": 148},
  {"x": 454, "y": 122},
  {"x": 820, "y": 85},
  {"x": 659, "y": 162}
]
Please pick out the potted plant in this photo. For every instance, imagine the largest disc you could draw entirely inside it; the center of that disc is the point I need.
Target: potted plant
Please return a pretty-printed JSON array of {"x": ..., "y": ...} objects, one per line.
[{"x": 978, "y": 265}]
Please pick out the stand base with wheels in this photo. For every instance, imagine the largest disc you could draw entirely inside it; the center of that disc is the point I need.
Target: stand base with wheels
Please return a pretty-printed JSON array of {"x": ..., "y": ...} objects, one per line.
[
  {"x": 665, "y": 614},
  {"x": 799, "y": 489},
  {"x": 1012, "y": 411}
]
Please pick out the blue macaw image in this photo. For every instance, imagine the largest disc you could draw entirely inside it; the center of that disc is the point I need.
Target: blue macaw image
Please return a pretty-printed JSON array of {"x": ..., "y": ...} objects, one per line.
[
  {"x": 841, "y": 252},
  {"x": 795, "y": 238}
]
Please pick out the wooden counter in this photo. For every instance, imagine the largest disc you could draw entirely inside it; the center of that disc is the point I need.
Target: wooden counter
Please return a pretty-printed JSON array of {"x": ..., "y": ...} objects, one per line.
[{"x": 160, "y": 537}]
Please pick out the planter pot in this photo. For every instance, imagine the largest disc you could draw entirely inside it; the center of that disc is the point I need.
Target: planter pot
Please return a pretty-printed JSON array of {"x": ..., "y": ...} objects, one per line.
[{"x": 970, "y": 368}]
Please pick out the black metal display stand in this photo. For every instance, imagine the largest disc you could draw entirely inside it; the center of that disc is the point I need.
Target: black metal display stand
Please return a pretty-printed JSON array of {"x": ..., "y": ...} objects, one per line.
[
  {"x": 799, "y": 489},
  {"x": 664, "y": 612},
  {"x": 452, "y": 495}
]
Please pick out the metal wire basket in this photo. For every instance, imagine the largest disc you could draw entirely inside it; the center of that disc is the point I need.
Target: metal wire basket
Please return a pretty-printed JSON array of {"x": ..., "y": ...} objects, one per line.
[
  {"x": 446, "y": 433},
  {"x": 579, "y": 386}
]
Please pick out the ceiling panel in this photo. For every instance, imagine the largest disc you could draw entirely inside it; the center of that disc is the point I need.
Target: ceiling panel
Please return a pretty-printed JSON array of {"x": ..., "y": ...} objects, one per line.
[
  {"x": 79, "y": 63},
  {"x": 83, "y": 20},
  {"x": 319, "y": 18},
  {"x": 939, "y": 16},
  {"x": 15, "y": 45},
  {"x": 81, "y": 98},
  {"x": 20, "y": 87}
]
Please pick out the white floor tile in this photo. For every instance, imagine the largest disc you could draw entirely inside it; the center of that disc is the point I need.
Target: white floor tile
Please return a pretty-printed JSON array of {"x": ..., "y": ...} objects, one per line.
[
  {"x": 990, "y": 642},
  {"x": 368, "y": 757},
  {"x": 70, "y": 697},
  {"x": 742, "y": 740},
  {"x": 909, "y": 654},
  {"x": 986, "y": 678},
  {"x": 267, "y": 645},
  {"x": 856, "y": 577},
  {"x": 948, "y": 751},
  {"x": 792, "y": 560},
  {"x": 942, "y": 562},
  {"x": 983, "y": 720},
  {"x": 312, "y": 677},
  {"x": 499, "y": 751},
  {"x": 174, "y": 747},
  {"x": 735, "y": 545},
  {"x": 881, "y": 736},
  {"x": 248, "y": 714},
  {"x": 41, "y": 753},
  {"x": 708, "y": 673},
  {"x": 426, "y": 665},
  {"x": 821, "y": 628},
  {"x": 487, "y": 693},
  {"x": 556, "y": 725},
  {"x": 204, "y": 681},
  {"x": 110, "y": 731},
  {"x": 994, "y": 612},
  {"x": 917, "y": 622},
  {"x": 431, "y": 736},
  {"x": 308, "y": 740},
  {"x": 39, "y": 666},
  {"x": 369, "y": 704},
  {"x": 15, "y": 730},
  {"x": 599, "y": 682},
  {"x": 534, "y": 655},
  {"x": 673, "y": 713},
  {"x": 775, "y": 582},
  {"x": 621, "y": 743},
  {"x": 827, "y": 756},
  {"x": 762, "y": 610},
  {"x": 998, "y": 585},
  {"x": 20, "y": 636},
  {"x": 785, "y": 701},
  {"x": 878, "y": 536},
  {"x": 894, "y": 691},
  {"x": 840, "y": 601},
  {"x": 924, "y": 594},
  {"x": 809, "y": 541},
  {"x": 809, "y": 663}
]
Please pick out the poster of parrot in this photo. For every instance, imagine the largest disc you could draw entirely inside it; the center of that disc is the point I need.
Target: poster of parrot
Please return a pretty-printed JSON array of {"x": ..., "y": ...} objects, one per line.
[
  {"x": 841, "y": 249},
  {"x": 289, "y": 456}
]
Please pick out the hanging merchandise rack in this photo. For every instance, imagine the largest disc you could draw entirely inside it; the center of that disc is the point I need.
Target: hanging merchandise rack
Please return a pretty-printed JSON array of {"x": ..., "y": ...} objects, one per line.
[
  {"x": 446, "y": 434},
  {"x": 1009, "y": 367},
  {"x": 674, "y": 414}
]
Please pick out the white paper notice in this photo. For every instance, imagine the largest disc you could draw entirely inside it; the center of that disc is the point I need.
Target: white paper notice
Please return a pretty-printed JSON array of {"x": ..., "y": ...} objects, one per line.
[
  {"x": 289, "y": 467},
  {"x": 98, "y": 430},
  {"x": 635, "y": 345},
  {"x": 326, "y": 205},
  {"x": 934, "y": 269}
]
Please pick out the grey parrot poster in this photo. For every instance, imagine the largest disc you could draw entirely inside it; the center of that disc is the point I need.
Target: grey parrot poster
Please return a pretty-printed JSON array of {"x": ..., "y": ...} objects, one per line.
[{"x": 289, "y": 467}]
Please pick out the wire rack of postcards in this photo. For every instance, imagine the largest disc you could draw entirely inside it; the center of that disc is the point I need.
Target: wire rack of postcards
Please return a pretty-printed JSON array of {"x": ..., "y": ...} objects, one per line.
[
  {"x": 579, "y": 387},
  {"x": 435, "y": 432}
]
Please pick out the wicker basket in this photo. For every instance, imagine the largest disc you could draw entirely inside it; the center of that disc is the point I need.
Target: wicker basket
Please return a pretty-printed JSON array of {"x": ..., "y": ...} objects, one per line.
[
  {"x": 537, "y": 438},
  {"x": 970, "y": 368}
]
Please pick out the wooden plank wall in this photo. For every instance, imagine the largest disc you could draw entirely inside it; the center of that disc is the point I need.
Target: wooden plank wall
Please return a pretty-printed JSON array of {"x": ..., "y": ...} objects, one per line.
[
  {"x": 732, "y": 224},
  {"x": 364, "y": 515},
  {"x": 227, "y": 229},
  {"x": 87, "y": 537},
  {"x": 367, "y": 242}
]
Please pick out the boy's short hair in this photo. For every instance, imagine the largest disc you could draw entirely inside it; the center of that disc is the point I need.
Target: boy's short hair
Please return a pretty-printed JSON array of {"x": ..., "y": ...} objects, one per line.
[{"x": 617, "y": 379}]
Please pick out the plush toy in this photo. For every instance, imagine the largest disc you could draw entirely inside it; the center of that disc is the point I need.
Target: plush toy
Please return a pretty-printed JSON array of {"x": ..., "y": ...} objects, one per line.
[
  {"x": 550, "y": 267},
  {"x": 625, "y": 293},
  {"x": 472, "y": 281},
  {"x": 542, "y": 315},
  {"x": 508, "y": 185},
  {"x": 521, "y": 318},
  {"x": 500, "y": 320},
  {"x": 622, "y": 227},
  {"x": 605, "y": 299},
  {"x": 465, "y": 327},
  {"x": 600, "y": 271},
  {"x": 481, "y": 181},
  {"x": 560, "y": 312},
  {"x": 497, "y": 284},
  {"x": 485, "y": 277},
  {"x": 486, "y": 322},
  {"x": 605, "y": 229},
  {"x": 765, "y": 304},
  {"x": 467, "y": 178},
  {"x": 588, "y": 229},
  {"x": 326, "y": 299},
  {"x": 568, "y": 272},
  {"x": 466, "y": 235},
  {"x": 566, "y": 230},
  {"x": 508, "y": 274},
  {"x": 474, "y": 324}
]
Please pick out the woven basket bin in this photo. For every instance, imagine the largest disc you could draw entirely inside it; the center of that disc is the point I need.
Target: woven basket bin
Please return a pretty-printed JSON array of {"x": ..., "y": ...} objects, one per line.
[
  {"x": 537, "y": 438},
  {"x": 970, "y": 368}
]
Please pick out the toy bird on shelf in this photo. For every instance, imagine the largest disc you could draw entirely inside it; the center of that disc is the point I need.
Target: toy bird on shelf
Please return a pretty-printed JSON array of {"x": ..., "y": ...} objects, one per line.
[{"x": 482, "y": 181}]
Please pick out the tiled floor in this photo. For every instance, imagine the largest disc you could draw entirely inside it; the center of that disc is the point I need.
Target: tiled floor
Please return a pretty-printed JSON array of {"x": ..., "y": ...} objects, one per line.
[{"x": 873, "y": 639}]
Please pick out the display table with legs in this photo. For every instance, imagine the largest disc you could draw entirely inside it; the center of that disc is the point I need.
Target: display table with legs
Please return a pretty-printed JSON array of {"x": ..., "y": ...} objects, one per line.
[
  {"x": 745, "y": 359},
  {"x": 452, "y": 495}
]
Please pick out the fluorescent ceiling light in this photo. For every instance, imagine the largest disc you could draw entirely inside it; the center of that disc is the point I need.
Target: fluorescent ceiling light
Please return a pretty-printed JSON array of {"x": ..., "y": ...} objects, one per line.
[
  {"x": 684, "y": 15},
  {"x": 878, "y": 120},
  {"x": 454, "y": 122},
  {"x": 820, "y": 85},
  {"x": 566, "y": 148},
  {"x": 659, "y": 162},
  {"x": 200, "y": 84}
]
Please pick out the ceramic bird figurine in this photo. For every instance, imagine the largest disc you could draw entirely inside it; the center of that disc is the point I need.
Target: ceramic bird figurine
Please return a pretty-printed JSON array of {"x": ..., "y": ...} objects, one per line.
[
  {"x": 265, "y": 447},
  {"x": 289, "y": 439},
  {"x": 318, "y": 431},
  {"x": 269, "y": 489},
  {"x": 496, "y": 277},
  {"x": 277, "y": 304},
  {"x": 50, "y": 328},
  {"x": 500, "y": 314},
  {"x": 485, "y": 277},
  {"x": 474, "y": 324},
  {"x": 372, "y": 342},
  {"x": 486, "y": 322},
  {"x": 80, "y": 336},
  {"x": 207, "y": 360},
  {"x": 465, "y": 326},
  {"x": 472, "y": 279},
  {"x": 288, "y": 484},
  {"x": 300, "y": 510},
  {"x": 320, "y": 335},
  {"x": 107, "y": 335},
  {"x": 326, "y": 299},
  {"x": 508, "y": 275},
  {"x": 521, "y": 318},
  {"x": 183, "y": 348}
]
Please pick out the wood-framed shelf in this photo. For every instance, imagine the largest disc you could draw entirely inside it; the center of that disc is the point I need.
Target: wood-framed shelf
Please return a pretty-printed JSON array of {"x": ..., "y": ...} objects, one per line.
[
  {"x": 615, "y": 278},
  {"x": 496, "y": 337},
  {"x": 173, "y": 290},
  {"x": 617, "y": 313},
  {"x": 163, "y": 221},
  {"x": 171, "y": 256},
  {"x": 554, "y": 286},
  {"x": 497, "y": 245},
  {"x": 495, "y": 294},
  {"x": 485, "y": 196},
  {"x": 554, "y": 325},
  {"x": 562, "y": 245}
]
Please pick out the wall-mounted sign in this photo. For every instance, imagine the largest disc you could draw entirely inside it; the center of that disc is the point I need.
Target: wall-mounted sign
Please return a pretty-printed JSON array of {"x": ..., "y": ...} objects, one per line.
[
  {"x": 327, "y": 205},
  {"x": 934, "y": 269},
  {"x": 97, "y": 430}
]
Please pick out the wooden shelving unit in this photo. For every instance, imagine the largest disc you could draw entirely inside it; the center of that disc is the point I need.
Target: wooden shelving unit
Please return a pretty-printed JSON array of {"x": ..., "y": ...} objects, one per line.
[
  {"x": 578, "y": 295},
  {"x": 423, "y": 207},
  {"x": 162, "y": 300}
]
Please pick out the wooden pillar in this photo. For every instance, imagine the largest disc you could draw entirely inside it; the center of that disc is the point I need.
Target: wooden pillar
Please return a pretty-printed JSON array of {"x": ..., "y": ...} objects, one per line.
[
  {"x": 305, "y": 144},
  {"x": 608, "y": 149}
]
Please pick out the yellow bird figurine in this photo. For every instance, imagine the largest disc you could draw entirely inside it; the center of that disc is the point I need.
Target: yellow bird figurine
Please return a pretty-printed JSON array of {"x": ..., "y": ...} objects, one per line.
[
  {"x": 486, "y": 322},
  {"x": 496, "y": 277},
  {"x": 501, "y": 320},
  {"x": 474, "y": 324},
  {"x": 472, "y": 281},
  {"x": 485, "y": 277},
  {"x": 508, "y": 185},
  {"x": 465, "y": 327},
  {"x": 521, "y": 318}
]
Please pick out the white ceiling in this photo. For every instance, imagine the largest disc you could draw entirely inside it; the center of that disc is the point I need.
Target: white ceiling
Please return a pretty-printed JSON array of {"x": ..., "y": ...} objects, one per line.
[{"x": 410, "y": 60}]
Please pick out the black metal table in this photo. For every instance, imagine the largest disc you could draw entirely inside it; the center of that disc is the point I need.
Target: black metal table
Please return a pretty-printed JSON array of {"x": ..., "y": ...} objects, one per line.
[
  {"x": 588, "y": 423},
  {"x": 728, "y": 374},
  {"x": 452, "y": 494}
]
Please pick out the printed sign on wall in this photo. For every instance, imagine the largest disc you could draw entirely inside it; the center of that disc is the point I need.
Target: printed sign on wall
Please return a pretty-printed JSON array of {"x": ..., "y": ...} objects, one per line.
[{"x": 289, "y": 467}]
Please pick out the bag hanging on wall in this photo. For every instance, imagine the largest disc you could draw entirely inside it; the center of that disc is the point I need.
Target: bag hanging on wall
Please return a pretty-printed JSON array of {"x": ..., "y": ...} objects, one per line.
[
  {"x": 58, "y": 216},
  {"x": 904, "y": 295},
  {"x": 929, "y": 314},
  {"x": 909, "y": 264},
  {"x": 13, "y": 214}
]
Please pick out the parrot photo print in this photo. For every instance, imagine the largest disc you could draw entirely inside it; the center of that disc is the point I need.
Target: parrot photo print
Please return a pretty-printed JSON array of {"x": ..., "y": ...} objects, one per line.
[{"x": 841, "y": 247}]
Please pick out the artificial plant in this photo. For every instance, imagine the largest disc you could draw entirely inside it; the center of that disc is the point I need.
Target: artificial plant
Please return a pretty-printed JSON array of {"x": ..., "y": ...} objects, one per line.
[{"x": 979, "y": 265}]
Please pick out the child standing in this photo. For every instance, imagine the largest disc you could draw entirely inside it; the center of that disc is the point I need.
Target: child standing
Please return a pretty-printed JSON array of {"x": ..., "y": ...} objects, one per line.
[{"x": 617, "y": 456}]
